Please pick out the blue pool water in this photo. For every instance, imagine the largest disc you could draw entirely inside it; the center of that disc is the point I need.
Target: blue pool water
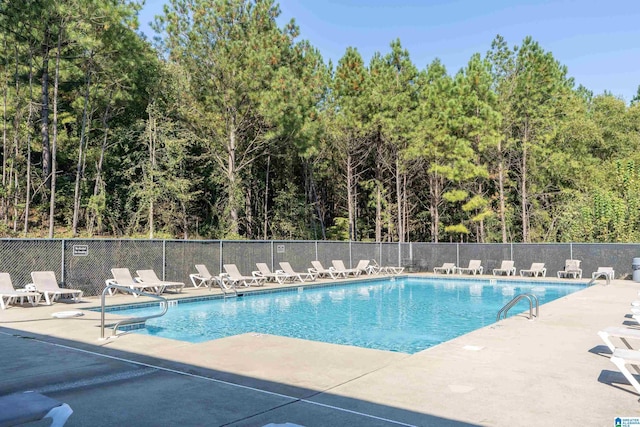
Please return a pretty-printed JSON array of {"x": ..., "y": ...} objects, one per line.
[{"x": 405, "y": 315}]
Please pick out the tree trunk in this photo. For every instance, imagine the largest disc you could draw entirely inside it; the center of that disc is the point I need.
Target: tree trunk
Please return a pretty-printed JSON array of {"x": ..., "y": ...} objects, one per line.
[
  {"x": 44, "y": 120},
  {"x": 234, "y": 227},
  {"x": 103, "y": 148},
  {"x": 54, "y": 143},
  {"x": 502, "y": 209},
  {"x": 27, "y": 203},
  {"x": 405, "y": 208},
  {"x": 317, "y": 203},
  {"x": 350, "y": 204},
  {"x": 13, "y": 171},
  {"x": 434, "y": 210},
  {"x": 265, "y": 219},
  {"x": 152, "y": 161},
  {"x": 378, "y": 183},
  {"x": 83, "y": 132},
  {"x": 399, "y": 199},
  {"x": 523, "y": 184},
  {"x": 5, "y": 149}
]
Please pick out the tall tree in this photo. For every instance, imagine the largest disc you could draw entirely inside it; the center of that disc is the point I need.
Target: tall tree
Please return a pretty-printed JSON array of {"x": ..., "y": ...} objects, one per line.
[{"x": 236, "y": 57}]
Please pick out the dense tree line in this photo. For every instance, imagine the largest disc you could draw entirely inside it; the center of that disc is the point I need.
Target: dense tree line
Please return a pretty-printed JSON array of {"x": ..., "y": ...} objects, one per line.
[{"x": 229, "y": 126}]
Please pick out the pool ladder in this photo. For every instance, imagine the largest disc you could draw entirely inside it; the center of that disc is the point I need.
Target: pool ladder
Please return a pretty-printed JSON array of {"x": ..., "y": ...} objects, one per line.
[
  {"x": 532, "y": 300},
  {"x": 597, "y": 276},
  {"x": 164, "y": 304}
]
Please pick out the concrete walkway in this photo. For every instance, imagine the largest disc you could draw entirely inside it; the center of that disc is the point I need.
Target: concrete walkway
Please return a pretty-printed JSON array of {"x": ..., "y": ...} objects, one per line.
[{"x": 551, "y": 371}]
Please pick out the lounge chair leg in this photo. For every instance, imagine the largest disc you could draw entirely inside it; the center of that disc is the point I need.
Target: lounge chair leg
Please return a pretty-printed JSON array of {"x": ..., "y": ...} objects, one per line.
[{"x": 622, "y": 367}]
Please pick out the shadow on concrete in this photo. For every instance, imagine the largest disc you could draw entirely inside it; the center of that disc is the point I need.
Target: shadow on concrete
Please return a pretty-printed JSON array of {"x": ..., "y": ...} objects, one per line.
[
  {"x": 107, "y": 387},
  {"x": 612, "y": 378}
]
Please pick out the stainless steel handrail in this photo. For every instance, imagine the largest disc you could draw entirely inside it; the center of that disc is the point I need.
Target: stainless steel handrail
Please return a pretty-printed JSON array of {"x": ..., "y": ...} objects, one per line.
[
  {"x": 163, "y": 304},
  {"x": 224, "y": 277},
  {"x": 532, "y": 299},
  {"x": 596, "y": 276}
]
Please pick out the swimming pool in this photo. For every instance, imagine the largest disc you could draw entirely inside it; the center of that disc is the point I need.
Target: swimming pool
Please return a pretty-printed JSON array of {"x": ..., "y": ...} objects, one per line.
[{"x": 404, "y": 314}]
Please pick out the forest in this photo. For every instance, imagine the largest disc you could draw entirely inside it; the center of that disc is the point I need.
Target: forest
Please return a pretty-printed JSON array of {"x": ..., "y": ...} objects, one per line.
[{"x": 230, "y": 126}]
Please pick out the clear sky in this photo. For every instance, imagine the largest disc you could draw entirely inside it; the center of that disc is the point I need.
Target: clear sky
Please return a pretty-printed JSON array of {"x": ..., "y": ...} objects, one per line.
[{"x": 598, "y": 40}]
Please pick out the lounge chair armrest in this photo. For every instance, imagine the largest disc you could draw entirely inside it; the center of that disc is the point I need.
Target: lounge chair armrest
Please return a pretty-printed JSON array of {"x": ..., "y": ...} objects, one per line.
[{"x": 256, "y": 274}]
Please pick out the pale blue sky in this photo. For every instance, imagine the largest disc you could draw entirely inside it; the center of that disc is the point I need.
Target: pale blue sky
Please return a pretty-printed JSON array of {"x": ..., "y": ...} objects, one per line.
[{"x": 599, "y": 41}]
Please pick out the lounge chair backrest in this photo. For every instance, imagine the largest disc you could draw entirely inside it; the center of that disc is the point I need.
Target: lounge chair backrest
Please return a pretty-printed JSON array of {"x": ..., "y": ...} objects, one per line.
[
  {"x": 148, "y": 276},
  {"x": 5, "y": 283},
  {"x": 318, "y": 266},
  {"x": 45, "y": 280},
  {"x": 448, "y": 265},
  {"x": 232, "y": 270},
  {"x": 287, "y": 267},
  {"x": 475, "y": 263},
  {"x": 203, "y": 271},
  {"x": 572, "y": 264},
  {"x": 122, "y": 276},
  {"x": 362, "y": 264},
  {"x": 600, "y": 270},
  {"x": 537, "y": 266},
  {"x": 506, "y": 265},
  {"x": 263, "y": 268},
  {"x": 338, "y": 264}
]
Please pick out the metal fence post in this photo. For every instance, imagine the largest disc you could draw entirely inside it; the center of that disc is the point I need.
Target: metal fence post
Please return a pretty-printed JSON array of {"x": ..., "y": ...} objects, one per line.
[
  {"x": 164, "y": 259},
  {"x": 62, "y": 269},
  {"x": 273, "y": 256},
  {"x": 411, "y": 254},
  {"x": 221, "y": 257}
]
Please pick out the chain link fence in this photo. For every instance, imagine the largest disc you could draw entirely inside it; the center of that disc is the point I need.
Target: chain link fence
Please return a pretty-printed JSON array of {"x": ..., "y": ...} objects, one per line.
[{"x": 86, "y": 263}]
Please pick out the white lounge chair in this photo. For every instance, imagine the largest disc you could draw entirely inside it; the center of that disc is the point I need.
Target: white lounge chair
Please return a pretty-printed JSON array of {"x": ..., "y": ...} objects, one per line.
[
  {"x": 537, "y": 269},
  {"x": 46, "y": 282},
  {"x": 571, "y": 270},
  {"x": 319, "y": 271},
  {"x": 618, "y": 332},
  {"x": 363, "y": 266},
  {"x": 235, "y": 278},
  {"x": 604, "y": 272},
  {"x": 339, "y": 266},
  {"x": 23, "y": 408},
  {"x": 474, "y": 268},
  {"x": 150, "y": 276},
  {"x": 374, "y": 267},
  {"x": 447, "y": 268},
  {"x": 122, "y": 277},
  {"x": 290, "y": 272},
  {"x": 507, "y": 268},
  {"x": 621, "y": 358},
  {"x": 390, "y": 269},
  {"x": 277, "y": 276},
  {"x": 9, "y": 295},
  {"x": 203, "y": 277}
]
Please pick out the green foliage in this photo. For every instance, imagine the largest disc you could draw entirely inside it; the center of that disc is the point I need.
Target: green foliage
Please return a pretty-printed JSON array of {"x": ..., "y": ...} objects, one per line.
[{"x": 234, "y": 128}]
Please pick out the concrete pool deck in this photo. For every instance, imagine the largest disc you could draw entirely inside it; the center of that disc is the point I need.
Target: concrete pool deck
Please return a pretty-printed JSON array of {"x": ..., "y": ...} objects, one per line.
[{"x": 554, "y": 370}]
